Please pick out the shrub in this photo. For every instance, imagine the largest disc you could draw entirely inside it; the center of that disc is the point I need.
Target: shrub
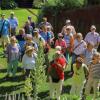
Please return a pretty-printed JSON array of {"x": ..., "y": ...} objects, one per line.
[
  {"x": 8, "y": 4},
  {"x": 55, "y": 6}
]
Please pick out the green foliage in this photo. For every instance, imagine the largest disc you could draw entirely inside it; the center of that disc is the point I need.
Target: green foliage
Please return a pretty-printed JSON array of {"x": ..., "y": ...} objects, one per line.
[
  {"x": 8, "y": 4},
  {"x": 37, "y": 3},
  {"x": 28, "y": 87},
  {"x": 73, "y": 3},
  {"x": 55, "y": 6}
]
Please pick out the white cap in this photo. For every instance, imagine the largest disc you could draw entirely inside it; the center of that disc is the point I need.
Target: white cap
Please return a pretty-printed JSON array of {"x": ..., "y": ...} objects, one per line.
[
  {"x": 93, "y": 27},
  {"x": 68, "y": 21}
]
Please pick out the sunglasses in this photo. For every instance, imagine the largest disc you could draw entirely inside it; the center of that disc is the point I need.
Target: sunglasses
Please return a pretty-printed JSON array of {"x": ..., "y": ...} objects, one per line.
[{"x": 60, "y": 36}]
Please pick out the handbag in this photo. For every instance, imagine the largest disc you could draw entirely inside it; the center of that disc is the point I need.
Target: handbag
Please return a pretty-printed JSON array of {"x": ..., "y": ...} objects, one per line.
[{"x": 2, "y": 29}]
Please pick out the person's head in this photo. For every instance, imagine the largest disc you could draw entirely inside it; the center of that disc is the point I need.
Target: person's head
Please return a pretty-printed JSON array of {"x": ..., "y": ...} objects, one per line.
[
  {"x": 28, "y": 38},
  {"x": 90, "y": 46},
  {"x": 27, "y": 23},
  {"x": 79, "y": 36},
  {"x": 36, "y": 32},
  {"x": 68, "y": 29},
  {"x": 44, "y": 28},
  {"x": 93, "y": 28},
  {"x": 29, "y": 51},
  {"x": 57, "y": 54},
  {"x": 11, "y": 14},
  {"x": 96, "y": 57},
  {"x": 3, "y": 16},
  {"x": 60, "y": 36},
  {"x": 29, "y": 18},
  {"x": 48, "y": 28},
  {"x": 79, "y": 62},
  {"x": 68, "y": 22},
  {"x": 58, "y": 48},
  {"x": 44, "y": 19},
  {"x": 13, "y": 40},
  {"x": 21, "y": 31}
]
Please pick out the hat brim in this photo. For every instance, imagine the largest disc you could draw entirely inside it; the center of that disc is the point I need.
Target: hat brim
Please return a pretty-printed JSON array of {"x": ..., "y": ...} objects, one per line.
[{"x": 31, "y": 49}]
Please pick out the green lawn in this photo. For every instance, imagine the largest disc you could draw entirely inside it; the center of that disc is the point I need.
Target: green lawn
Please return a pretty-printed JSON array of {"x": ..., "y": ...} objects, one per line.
[{"x": 22, "y": 14}]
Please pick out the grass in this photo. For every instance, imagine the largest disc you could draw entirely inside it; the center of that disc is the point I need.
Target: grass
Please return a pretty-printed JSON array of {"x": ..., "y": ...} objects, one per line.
[{"x": 22, "y": 15}]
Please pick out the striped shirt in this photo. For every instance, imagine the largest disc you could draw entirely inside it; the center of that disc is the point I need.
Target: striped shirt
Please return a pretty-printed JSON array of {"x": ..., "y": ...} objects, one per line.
[
  {"x": 88, "y": 55},
  {"x": 95, "y": 70},
  {"x": 79, "y": 47}
]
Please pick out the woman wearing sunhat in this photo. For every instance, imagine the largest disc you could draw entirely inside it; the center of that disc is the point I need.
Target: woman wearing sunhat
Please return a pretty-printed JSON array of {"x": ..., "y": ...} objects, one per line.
[{"x": 28, "y": 60}]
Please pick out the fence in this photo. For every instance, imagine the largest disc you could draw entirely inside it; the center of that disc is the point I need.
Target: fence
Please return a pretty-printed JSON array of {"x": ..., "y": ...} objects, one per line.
[
  {"x": 20, "y": 96},
  {"x": 82, "y": 19}
]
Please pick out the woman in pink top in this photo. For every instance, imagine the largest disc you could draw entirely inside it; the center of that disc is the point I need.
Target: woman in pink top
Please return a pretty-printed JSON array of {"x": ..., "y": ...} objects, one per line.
[{"x": 61, "y": 42}]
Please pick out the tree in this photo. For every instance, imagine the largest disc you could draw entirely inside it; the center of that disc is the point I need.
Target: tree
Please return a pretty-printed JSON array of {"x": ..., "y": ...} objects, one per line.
[{"x": 8, "y": 4}]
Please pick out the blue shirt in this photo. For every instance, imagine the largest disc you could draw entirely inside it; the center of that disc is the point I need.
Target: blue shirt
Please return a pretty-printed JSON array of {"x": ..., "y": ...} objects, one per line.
[
  {"x": 13, "y": 22},
  {"x": 6, "y": 26},
  {"x": 46, "y": 36}
]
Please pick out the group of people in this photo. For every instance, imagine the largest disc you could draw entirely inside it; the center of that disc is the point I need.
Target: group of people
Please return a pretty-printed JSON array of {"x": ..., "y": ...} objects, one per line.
[{"x": 85, "y": 64}]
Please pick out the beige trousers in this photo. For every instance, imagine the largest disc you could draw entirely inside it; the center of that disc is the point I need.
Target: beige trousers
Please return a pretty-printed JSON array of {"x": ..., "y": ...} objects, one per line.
[{"x": 55, "y": 89}]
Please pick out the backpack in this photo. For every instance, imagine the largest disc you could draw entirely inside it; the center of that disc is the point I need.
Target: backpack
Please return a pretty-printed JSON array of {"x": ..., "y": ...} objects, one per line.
[{"x": 53, "y": 73}]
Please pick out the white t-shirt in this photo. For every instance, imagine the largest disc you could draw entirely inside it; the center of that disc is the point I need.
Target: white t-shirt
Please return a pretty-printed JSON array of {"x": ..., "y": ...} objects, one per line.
[{"x": 29, "y": 62}]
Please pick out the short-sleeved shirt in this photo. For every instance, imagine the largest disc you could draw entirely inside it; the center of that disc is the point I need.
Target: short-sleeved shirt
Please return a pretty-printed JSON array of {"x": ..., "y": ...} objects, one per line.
[
  {"x": 13, "y": 22},
  {"x": 46, "y": 36},
  {"x": 79, "y": 47},
  {"x": 92, "y": 37},
  {"x": 62, "y": 62},
  {"x": 95, "y": 70},
  {"x": 88, "y": 55},
  {"x": 6, "y": 26}
]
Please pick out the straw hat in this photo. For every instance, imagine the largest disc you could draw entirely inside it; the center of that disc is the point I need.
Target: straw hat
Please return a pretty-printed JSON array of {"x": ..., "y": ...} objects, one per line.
[{"x": 29, "y": 48}]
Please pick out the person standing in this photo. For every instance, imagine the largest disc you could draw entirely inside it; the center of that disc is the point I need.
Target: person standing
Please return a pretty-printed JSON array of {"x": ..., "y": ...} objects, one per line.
[
  {"x": 78, "y": 76},
  {"x": 69, "y": 39},
  {"x": 28, "y": 60},
  {"x": 94, "y": 75},
  {"x": 56, "y": 75},
  {"x": 13, "y": 23},
  {"x": 68, "y": 23},
  {"x": 93, "y": 36},
  {"x": 13, "y": 51},
  {"x": 28, "y": 28},
  {"x": 31, "y": 22},
  {"x": 4, "y": 31}
]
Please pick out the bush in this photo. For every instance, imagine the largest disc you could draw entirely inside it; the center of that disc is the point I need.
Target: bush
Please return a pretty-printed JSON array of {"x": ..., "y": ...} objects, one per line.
[
  {"x": 55, "y": 6},
  {"x": 8, "y": 4}
]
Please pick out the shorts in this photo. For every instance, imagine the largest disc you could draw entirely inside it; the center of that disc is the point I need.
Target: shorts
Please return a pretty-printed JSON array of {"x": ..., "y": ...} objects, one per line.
[{"x": 5, "y": 39}]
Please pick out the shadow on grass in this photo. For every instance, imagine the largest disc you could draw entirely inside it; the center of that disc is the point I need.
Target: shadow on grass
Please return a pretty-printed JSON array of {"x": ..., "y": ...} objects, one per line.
[
  {"x": 66, "y": 89},
  {"x": 9, "y": 89},
  {"x": 43, "y": 95},
  {"x": 67, "y": 75},
  {"x": 19, "y": 69},
  {"x": 12, "y": 79}
]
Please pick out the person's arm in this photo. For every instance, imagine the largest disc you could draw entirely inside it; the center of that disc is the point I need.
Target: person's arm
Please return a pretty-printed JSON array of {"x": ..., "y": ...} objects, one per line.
[{"x": 9, "y": 28}]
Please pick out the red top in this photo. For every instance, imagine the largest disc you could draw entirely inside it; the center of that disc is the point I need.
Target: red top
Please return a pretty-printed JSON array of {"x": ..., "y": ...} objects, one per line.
[
  {"x": 61, "y": 43},
  {"x": 61, "y": 61}
]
